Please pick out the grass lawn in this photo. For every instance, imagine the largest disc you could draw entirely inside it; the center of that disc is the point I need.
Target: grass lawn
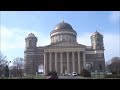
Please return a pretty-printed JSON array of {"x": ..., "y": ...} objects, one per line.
[
  {"x": 97, "y": 76},
  {"x": 27, "y": 77}
]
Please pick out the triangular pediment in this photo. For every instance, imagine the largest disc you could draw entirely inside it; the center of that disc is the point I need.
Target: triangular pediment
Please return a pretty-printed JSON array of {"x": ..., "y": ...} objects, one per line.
[{"x": 66, "y": 44}]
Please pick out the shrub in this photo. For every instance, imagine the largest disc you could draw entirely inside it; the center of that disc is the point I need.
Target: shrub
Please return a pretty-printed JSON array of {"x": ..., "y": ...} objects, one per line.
[
  {"x": 112, "y": 76},
  {"x": 114, "y": 72},
  {"x": 85, "y": 73},
  {"x": 53, "y": 75}
]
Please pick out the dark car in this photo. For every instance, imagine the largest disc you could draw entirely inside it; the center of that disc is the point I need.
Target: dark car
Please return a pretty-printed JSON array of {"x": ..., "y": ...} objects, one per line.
[{"x": 52, "y": 77}]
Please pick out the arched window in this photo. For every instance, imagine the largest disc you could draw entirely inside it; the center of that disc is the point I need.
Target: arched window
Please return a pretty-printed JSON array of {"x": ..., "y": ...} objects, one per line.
[{"x": 40, "y": 68}]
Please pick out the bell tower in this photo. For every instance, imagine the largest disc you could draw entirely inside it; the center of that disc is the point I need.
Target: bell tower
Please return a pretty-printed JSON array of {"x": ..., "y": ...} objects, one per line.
[
  {"x": 97, "y": 41},
  {"x": 31, "y": 41},
  {"x": 29, "y": 54}
]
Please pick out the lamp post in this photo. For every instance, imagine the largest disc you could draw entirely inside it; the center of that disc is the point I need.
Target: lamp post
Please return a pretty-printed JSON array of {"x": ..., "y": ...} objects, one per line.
[
  {"x": 8, "y": 67},
  {"x": 9, "y": 63}
]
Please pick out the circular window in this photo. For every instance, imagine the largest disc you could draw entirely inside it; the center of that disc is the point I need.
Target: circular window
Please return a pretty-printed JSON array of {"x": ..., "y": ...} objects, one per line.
[{"x": 99, "y": 55}]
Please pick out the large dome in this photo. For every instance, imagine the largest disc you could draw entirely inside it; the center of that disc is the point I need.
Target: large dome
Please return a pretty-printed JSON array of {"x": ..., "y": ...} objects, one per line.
[
  {"x": 63, "y": 32},
  {"x": 63, "y": 25}
]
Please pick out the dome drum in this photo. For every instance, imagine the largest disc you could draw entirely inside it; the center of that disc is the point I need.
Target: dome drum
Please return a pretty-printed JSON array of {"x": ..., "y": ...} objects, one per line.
[{"x": 63, "y": 32}]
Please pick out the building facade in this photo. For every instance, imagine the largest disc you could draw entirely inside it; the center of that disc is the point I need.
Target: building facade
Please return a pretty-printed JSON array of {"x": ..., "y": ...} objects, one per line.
[{"x": 64, "y": 54}]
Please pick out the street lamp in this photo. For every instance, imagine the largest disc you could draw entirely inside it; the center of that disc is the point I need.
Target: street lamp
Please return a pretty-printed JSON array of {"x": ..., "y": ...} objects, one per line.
[
  {"x": 8, "y": 67},
  {"x": 9, "y": 63}
]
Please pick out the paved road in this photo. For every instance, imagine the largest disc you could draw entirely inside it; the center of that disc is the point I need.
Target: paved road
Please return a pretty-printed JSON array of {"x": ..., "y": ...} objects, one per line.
[{"x": 71, "y": 77}]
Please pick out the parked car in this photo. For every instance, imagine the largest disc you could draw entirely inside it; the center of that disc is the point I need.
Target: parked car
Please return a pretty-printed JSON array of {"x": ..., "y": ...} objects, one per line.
[
  {"x": 74, "y": 74},
  {"x": 52, "y": 77},
  {"x": 69, "y": 74}
]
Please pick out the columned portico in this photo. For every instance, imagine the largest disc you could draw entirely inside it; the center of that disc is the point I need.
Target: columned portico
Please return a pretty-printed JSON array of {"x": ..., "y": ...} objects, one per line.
[{"x": 72, "y": 61}]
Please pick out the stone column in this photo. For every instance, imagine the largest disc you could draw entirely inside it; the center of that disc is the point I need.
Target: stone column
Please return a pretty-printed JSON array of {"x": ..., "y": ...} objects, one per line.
[
  {"x": 56, "y": 61},
  {"x": 68, "y": 62},
  {"x": 73, "y": 61},
  {"x": 79, "y": 62},
  {"x": 50, "y": 61},
  {"x": 83, "y": 59},
  {"x": 45, "y": 63},
  {"x": 61, "y": 63}
]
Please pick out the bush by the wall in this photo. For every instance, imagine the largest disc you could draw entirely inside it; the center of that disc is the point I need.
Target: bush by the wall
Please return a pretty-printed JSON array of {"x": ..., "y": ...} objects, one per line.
[{"x": 85, "y": 73}]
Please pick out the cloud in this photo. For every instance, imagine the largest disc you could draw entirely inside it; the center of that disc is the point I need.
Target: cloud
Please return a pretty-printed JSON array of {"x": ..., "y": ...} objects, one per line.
[
  {"x": 14, "y": 38},
  {"x": 112, "y": 45},
  {"x": 115, "y": 16},
  {"x": 12, "y": 41},
  {"x": 84, "y": 39}
]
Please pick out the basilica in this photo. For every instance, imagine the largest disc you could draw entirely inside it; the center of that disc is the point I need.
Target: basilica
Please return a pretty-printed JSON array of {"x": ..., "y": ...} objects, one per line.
[{"x": 64, "y": 54}]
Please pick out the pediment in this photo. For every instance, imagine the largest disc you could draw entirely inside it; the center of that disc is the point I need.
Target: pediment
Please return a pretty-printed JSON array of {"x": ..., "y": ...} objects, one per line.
[{"x": 66, "y": 44}]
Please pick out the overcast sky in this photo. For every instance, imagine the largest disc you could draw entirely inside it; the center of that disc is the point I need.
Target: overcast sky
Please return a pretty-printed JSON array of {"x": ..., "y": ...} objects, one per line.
[{"x": 16, "y": 25}]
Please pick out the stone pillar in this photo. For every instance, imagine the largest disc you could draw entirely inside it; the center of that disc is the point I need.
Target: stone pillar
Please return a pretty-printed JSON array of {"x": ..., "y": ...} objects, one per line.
[
  {"x": 84, "y": 59},
  {"x": 68, "y": 62},
  {"x": 56, "y": 61},
  {"x": 73, "y": 61},
  {"x": 45, "y": 63},
  {"x": 50, "y": 61},
  {"x": 79, "y": 62},
  {"x": 61, "y": 63}
]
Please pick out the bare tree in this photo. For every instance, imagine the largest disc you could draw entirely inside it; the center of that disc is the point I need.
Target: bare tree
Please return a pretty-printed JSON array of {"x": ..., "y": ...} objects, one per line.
[
  {"x": 18, "y": 67},
  {"x": 3, "y": 62},
  {"x": 114, "y": 65}
]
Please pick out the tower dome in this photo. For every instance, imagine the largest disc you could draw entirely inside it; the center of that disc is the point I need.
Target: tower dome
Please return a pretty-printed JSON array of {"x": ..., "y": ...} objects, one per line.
[
  {"x": 31, "y": 41},
  {"x": 96, "y": 33},
  {"x": 31, "y": 35}
]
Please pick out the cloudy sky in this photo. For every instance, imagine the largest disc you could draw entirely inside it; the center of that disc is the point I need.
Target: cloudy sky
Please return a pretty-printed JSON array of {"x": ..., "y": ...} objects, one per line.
[{"x": 16, "y": 25}]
